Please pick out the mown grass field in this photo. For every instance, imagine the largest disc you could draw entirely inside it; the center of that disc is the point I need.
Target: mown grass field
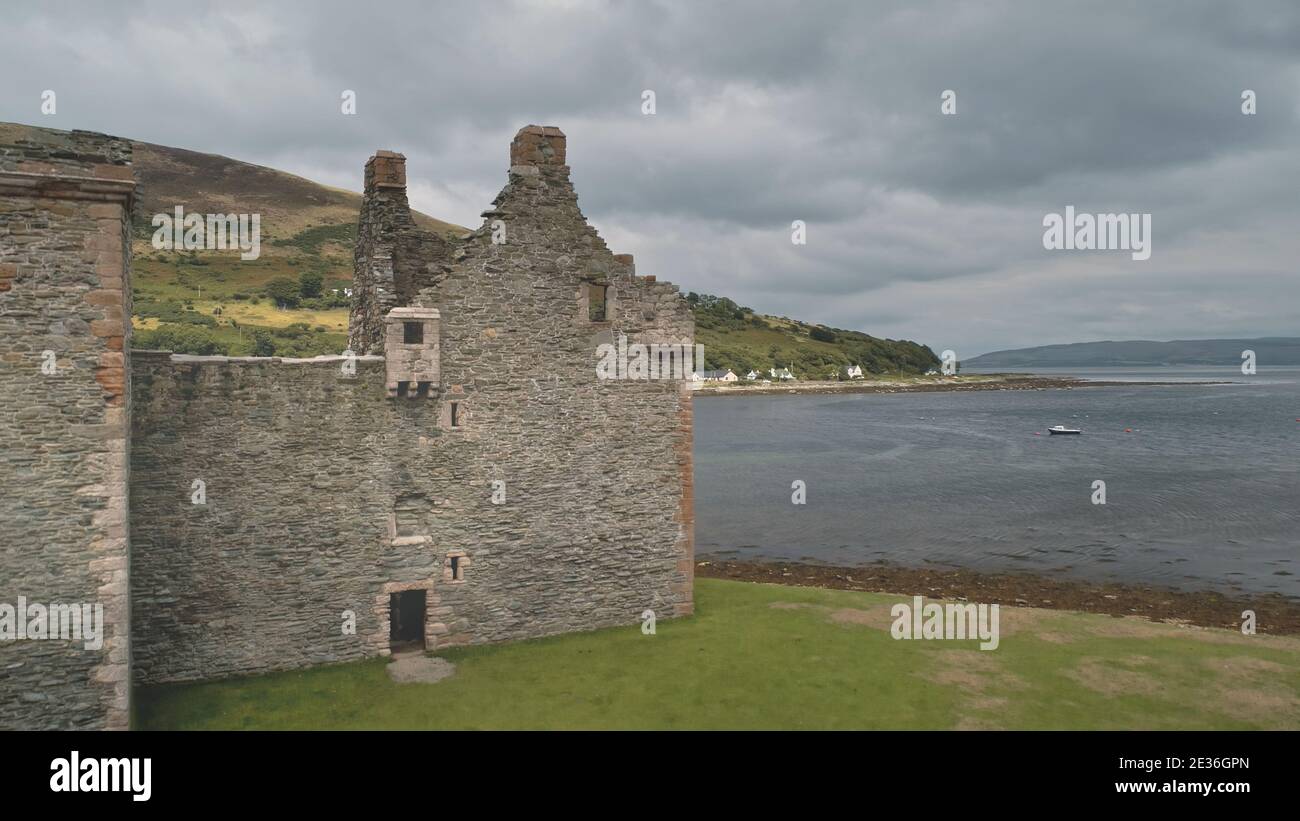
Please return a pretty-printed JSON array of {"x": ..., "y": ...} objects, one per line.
[{"x": 766, "y": 656}]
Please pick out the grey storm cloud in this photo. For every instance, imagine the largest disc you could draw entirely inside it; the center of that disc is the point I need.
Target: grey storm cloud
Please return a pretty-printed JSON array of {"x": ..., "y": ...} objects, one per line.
[{"x": 920, "y": 225}]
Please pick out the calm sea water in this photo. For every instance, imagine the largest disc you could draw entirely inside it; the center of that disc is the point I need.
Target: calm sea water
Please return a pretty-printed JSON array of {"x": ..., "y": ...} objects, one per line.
[{"x": 1202, "y": 494}]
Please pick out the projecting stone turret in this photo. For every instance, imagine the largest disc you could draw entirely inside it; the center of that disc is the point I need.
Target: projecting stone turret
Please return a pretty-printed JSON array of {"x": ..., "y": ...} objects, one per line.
[{"x": 411, "y": 352}]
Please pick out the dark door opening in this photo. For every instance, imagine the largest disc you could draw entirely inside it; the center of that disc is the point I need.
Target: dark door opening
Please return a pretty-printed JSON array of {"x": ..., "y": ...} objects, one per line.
[{"x": 406, "y": 620}]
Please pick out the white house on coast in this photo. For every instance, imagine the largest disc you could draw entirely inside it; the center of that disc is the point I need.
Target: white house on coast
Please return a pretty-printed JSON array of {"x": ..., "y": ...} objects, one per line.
[{"x": 714, "y": 376}]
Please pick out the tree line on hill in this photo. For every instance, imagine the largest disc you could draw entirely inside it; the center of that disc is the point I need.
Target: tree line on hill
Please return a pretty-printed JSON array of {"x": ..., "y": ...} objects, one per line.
[{"x": 738, "y": 338}]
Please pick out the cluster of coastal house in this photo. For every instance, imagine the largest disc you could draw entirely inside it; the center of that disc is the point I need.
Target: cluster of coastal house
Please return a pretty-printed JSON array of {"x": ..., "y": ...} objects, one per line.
[
  {"x": 773, "y": 375},
  {"x": 779, "y": 375}
]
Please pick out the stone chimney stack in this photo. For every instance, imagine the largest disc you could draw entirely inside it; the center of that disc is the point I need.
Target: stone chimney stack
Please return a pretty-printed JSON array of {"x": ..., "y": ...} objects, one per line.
[
  {"x": 538, "y": 145},
  {"x": 387, "y": 169},
  {"x": 385, "y": 216}
]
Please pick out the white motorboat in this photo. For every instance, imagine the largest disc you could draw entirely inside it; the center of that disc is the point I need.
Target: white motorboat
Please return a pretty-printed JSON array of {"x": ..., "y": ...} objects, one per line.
[{"x": 1062, "y": 429}]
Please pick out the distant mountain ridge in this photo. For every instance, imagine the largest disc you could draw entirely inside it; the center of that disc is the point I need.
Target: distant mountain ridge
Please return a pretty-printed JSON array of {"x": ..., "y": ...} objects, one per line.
[{"x": 1269, "y": 350}]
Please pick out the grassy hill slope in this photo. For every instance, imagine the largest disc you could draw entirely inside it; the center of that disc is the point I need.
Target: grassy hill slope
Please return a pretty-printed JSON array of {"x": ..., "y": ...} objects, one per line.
[
  {"x": 738, "y": 338},
  {"x": 214, "y": 302}
]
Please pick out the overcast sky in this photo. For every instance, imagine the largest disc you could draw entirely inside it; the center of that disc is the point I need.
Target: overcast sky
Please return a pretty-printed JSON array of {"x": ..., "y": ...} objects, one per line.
[{"x": 920, "y": 225}]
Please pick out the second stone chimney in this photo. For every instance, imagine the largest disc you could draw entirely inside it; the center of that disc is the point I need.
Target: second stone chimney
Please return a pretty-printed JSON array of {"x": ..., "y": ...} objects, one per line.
[{"x": 538, "y": 145}]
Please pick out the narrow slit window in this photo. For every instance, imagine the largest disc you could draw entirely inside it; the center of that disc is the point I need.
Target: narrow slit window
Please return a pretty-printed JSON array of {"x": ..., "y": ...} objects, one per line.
[
  {"x": 456, "y": 569},
  {"x": 455, "y": 414},
  {"x": 413, "y": 333},
  {"x": 596, "y": 303}
]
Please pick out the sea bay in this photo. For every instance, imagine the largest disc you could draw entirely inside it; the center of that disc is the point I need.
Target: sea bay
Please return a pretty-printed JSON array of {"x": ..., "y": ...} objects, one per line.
[{"x": 1201, "y": 493}]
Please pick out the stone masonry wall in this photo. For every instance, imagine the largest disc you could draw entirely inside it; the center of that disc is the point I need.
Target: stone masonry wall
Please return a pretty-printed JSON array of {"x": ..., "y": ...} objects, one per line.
[
  {"x": 294, "y": 529},
  {"x": 564, "y": 501},
  {"x": 65, "y": 203},
  {"x": 324, "y": 495}
]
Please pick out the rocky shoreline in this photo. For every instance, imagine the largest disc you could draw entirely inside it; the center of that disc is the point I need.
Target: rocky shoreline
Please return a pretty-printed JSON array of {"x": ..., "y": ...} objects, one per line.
[
  {"x": 1275, "y": 614},
  {"x": 923, "y": 384}
]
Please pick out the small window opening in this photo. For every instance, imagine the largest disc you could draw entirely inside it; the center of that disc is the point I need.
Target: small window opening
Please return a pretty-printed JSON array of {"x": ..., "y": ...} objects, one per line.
[
  {"x": 455, "y": 414},
  {"x": 408, "y": 514},
  {"x": 413, "y": 333},
  {"x": 596, "y": 303},
  {"x": 422, "y": 390},
  {"x": 456, "y": 569}
]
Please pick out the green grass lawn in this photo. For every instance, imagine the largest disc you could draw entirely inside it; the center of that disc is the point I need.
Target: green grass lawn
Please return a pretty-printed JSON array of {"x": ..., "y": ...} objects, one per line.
[{"x": 765, "y": 656}]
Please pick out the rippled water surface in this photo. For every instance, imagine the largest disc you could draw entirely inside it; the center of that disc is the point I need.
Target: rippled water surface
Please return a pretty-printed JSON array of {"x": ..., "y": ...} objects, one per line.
[{"x": 1203, "y": 493}]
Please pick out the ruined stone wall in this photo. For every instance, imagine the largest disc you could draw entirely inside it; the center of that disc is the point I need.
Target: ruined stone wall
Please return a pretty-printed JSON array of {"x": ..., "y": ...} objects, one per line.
[
  {"x": 293, "y": 526},
  {"x": 325, "y": 493},
  {"x": 65, "y": 203},
  {"x": 518, "y": 356}
]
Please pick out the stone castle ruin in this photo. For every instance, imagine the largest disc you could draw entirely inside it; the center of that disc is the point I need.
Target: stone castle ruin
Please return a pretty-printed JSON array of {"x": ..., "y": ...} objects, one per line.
[{"x": 461, "y": 475}]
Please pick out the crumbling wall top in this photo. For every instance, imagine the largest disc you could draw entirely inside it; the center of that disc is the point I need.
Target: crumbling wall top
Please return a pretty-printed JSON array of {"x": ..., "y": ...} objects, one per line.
[{"x": 44, "y": 162}]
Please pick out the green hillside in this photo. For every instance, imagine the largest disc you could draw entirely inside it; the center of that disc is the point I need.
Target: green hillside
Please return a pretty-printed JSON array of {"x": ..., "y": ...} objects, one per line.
[{"x": 738, "y": 338}]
